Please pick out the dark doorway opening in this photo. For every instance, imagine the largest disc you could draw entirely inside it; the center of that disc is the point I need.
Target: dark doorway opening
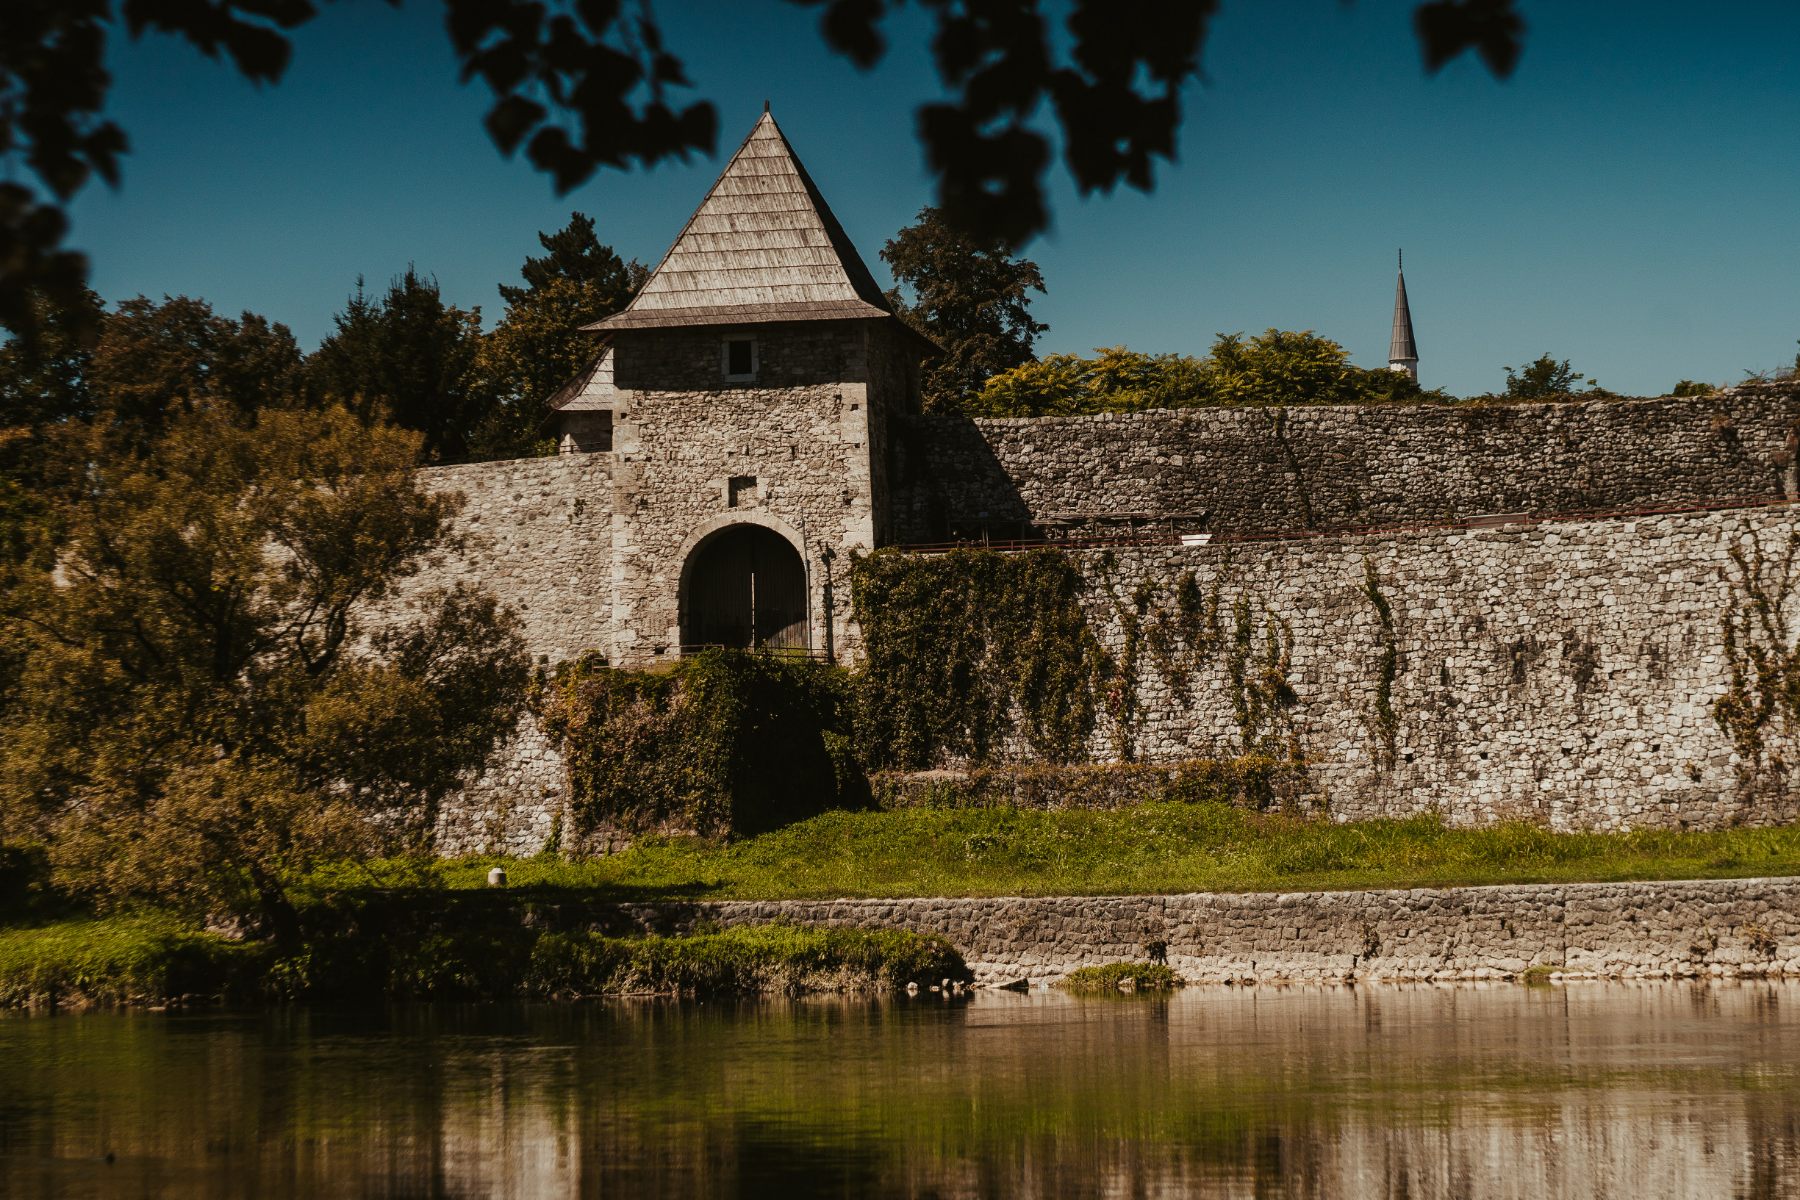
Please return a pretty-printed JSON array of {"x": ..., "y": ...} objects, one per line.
[{"x": 744, "y": 587}]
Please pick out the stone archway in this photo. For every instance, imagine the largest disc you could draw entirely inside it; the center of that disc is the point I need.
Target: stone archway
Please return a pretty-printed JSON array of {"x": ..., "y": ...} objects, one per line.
[{"x": 744, "y": 587}]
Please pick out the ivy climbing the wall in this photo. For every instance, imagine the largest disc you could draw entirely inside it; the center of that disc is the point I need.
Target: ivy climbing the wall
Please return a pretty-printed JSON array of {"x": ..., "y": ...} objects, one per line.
[
  {"x": 1184, "y": 638},
  {"x": 1131, "y": 609},
  {"x": 1383, "y": 722},
  {"x": 964, "y": 651},
  {"x": 1262, "y": 697},
  {"x": 723, "y": 743},
  {"x": 1760, "y": 710}
]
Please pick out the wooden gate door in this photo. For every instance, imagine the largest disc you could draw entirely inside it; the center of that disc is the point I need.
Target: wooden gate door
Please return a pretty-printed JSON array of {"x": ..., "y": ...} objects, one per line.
[{"x": 746, "y": 587}]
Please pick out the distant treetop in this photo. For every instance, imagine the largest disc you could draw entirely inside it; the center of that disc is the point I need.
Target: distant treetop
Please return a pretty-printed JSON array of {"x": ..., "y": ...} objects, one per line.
[{"x": 1275, "y": 367}]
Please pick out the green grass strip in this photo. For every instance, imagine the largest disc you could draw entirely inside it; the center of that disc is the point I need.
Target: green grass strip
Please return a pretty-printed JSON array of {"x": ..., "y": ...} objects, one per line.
[
  {"x": 1145, "y": 849},
  {"x": 152, "y": 959},
  {"x": 140, "y": 959}
]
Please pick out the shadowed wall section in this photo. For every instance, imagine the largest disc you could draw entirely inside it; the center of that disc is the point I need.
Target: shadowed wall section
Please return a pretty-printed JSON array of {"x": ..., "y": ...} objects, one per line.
[{"x": 1284, "y": 470}]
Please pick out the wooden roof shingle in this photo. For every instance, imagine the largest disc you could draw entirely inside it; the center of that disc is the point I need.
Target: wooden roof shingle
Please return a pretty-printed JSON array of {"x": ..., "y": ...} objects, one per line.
[{"x": 763, "y": 246}]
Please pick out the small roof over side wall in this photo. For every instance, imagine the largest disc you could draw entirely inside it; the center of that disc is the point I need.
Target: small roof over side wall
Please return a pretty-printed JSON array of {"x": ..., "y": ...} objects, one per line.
[
  {"x": 762, "y": 247},
  {"x": 590, "y": 391}
]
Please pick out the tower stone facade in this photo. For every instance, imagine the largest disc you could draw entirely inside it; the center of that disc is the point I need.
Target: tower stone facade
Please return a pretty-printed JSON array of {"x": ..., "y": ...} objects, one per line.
[{"x": 747, "y": 392}]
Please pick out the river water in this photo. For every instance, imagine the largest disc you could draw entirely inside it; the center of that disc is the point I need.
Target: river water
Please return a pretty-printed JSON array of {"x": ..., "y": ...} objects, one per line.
[{"x": 1587, "y": 1090}]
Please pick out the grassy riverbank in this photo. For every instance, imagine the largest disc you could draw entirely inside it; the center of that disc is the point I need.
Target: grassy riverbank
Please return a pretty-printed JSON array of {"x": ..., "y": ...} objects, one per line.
[
  {"x": 1152, "y": 848},
  {"x": 153, "y": 959},
  {"x": 433, "y": 931}
]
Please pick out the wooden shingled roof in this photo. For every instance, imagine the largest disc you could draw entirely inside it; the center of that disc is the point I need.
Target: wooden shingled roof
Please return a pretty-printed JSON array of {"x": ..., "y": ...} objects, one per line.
[
  {"x": 763, "y": 246},
  {"x": 591, "y": 390}
]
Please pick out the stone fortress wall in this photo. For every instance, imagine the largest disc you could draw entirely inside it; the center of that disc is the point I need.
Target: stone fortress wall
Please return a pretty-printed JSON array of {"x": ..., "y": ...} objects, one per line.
[
  {"x": 1560, "y": 671},
  {"x": 538, "y": 534},
  {"x": 1722, "y": 928},
  {"x": 1284, "y": 470}
]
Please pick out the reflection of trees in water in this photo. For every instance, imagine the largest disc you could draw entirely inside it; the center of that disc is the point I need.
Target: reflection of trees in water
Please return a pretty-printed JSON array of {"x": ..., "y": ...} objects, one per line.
[{"x": 1390, "y": 1092}]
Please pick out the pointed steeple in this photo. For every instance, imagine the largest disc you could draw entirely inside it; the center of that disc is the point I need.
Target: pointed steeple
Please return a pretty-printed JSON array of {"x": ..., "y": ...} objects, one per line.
[
  {"x": 763, "y": 246},
  {"x": 1403, "y": 352}
]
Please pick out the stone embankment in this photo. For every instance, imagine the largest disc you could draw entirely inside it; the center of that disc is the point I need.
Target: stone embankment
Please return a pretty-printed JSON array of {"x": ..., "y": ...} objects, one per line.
[{"x": 1717, "y": 928}]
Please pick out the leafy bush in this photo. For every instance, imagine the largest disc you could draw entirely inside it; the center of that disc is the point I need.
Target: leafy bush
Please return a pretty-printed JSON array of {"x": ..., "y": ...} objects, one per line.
[
  {"x": 1276, "y": 367},
  {"x": 1545, "y": 378},
  {"x": 1252, "y": 779},
  {"x": 24, "y": 881},
  {"x": 207, "y": 704},
  {"x": 725, "y": 742},
  {"x": 418, "y": 947},
  {"x": 768, "y": 958}
]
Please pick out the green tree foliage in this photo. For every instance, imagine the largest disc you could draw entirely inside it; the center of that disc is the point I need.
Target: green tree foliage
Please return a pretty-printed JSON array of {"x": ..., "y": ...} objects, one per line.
[
  {"x": 1275, "y": 367},
  {"x": 1284, "y": 367},
  {"x": 122, "y": 375},
  {"x": 582, "y": 85},
  {"x": 539, "y": 346},
  {"x": 206, "y": 706},
  {"x": 1114, "y": 380},
  {"x": 969, "y": 295},
  {"x": 43, "y": 388},
  {"x": 43, "y": 379},
  {"x": 1545, "y": 378},
  {"x": 408, "y": 358},
  {"x": 157, "y": 360},
  {"x": 1690, "y": 387}
]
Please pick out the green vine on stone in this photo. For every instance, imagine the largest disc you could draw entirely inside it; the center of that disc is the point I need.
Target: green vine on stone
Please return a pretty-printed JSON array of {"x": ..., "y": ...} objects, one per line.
[
  {"x": 1121, "y": 686},
  {"x": 964, "y": 652},
  {"x": 1262, "y": 698},
  {"x": 725, "y": 742},
  {"x": 1384, "y": 722},
  {"x": 1185, "y": 639},
  {"x": 1760, "y": 710}
]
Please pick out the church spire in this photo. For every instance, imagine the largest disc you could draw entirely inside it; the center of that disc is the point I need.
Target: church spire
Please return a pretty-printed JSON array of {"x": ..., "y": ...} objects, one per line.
[{"x": 1403, "y": 352}]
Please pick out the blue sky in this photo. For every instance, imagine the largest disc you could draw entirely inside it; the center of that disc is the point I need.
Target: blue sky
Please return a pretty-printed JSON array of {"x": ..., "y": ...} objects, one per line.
[{"x": 1628, "y": 200}]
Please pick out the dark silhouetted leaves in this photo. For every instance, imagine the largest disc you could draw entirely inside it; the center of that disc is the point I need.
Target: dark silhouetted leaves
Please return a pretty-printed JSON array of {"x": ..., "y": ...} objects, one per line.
[
  {"x": 1492, "y": 28},
  {"x": 585, "y": 84}
]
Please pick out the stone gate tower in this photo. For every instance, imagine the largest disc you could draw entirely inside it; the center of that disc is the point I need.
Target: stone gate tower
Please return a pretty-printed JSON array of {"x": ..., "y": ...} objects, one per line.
[{"x": 745, "y": 395}]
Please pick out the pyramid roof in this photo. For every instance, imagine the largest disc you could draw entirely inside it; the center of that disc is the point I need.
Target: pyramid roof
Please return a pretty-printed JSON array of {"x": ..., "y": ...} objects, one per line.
[{"x": 763, "y": 246}]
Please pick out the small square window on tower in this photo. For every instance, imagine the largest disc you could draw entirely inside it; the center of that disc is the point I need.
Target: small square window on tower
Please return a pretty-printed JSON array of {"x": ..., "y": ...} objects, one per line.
[
  {"x": 740, "y": 490},
  {"x": 740, "y": 359}
]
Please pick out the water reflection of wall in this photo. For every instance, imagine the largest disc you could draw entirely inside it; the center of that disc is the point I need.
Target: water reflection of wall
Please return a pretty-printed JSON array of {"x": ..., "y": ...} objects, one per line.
[{"x": 1622, "y": 1090}]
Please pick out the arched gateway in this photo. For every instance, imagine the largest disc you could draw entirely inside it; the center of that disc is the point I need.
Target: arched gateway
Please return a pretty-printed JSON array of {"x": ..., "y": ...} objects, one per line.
[{"x": 744, "y": 587}]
